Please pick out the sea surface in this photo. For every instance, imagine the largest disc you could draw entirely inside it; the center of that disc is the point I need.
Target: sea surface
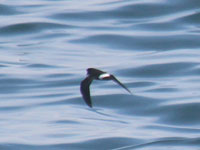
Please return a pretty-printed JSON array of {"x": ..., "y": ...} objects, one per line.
[{"x": 152, "y": 46}]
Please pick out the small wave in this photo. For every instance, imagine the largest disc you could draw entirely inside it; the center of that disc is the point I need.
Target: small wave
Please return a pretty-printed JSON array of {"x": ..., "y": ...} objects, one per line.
[{"x": 28, "y": 28}]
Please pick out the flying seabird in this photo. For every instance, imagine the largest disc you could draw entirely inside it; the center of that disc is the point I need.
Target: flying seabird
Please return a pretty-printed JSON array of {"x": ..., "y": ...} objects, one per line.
[{"x": 95, "y": 74}]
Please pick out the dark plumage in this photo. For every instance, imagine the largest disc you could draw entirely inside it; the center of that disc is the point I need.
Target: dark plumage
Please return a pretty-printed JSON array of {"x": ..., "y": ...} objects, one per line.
[{"x": 95, "y": 74}]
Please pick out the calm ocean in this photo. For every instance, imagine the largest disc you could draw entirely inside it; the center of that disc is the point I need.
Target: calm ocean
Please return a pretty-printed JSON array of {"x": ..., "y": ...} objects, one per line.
[{"x": 152, "y": 46}]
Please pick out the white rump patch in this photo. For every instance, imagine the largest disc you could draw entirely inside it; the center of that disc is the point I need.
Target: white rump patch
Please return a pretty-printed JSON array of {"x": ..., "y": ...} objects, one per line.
[{"x": 102, "y": 76}]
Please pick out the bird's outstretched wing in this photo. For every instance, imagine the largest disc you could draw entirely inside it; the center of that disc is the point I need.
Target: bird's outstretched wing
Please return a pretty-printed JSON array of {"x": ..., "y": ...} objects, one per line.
[
  {"x": 117, "y": 81},
  {"x": 85, "y": 90}
]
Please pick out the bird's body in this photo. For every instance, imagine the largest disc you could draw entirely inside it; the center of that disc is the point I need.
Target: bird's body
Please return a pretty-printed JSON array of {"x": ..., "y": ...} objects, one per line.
[{"x": 95, "y": 74}]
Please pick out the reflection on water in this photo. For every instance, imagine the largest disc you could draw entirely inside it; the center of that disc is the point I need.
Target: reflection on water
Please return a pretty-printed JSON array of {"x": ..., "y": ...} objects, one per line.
[{"x": 151, "y": 46}]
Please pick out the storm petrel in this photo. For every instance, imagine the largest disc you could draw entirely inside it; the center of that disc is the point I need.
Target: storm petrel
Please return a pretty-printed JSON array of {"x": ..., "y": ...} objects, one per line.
[{"x": 95, "y": 74}]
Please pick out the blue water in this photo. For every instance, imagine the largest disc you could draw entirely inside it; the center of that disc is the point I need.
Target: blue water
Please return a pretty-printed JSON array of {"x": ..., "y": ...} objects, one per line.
[{"x": 152, "y": 46}]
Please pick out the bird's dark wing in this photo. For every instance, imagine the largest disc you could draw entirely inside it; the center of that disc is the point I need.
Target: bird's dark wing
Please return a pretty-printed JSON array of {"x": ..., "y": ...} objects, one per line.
[
  {"x": 117, "y": 81},
  {"x": 85, "y": 90}
]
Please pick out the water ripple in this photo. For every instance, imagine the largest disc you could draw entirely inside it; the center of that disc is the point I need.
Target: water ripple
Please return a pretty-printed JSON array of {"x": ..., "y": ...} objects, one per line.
[{"x": 27, "y": 28}]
